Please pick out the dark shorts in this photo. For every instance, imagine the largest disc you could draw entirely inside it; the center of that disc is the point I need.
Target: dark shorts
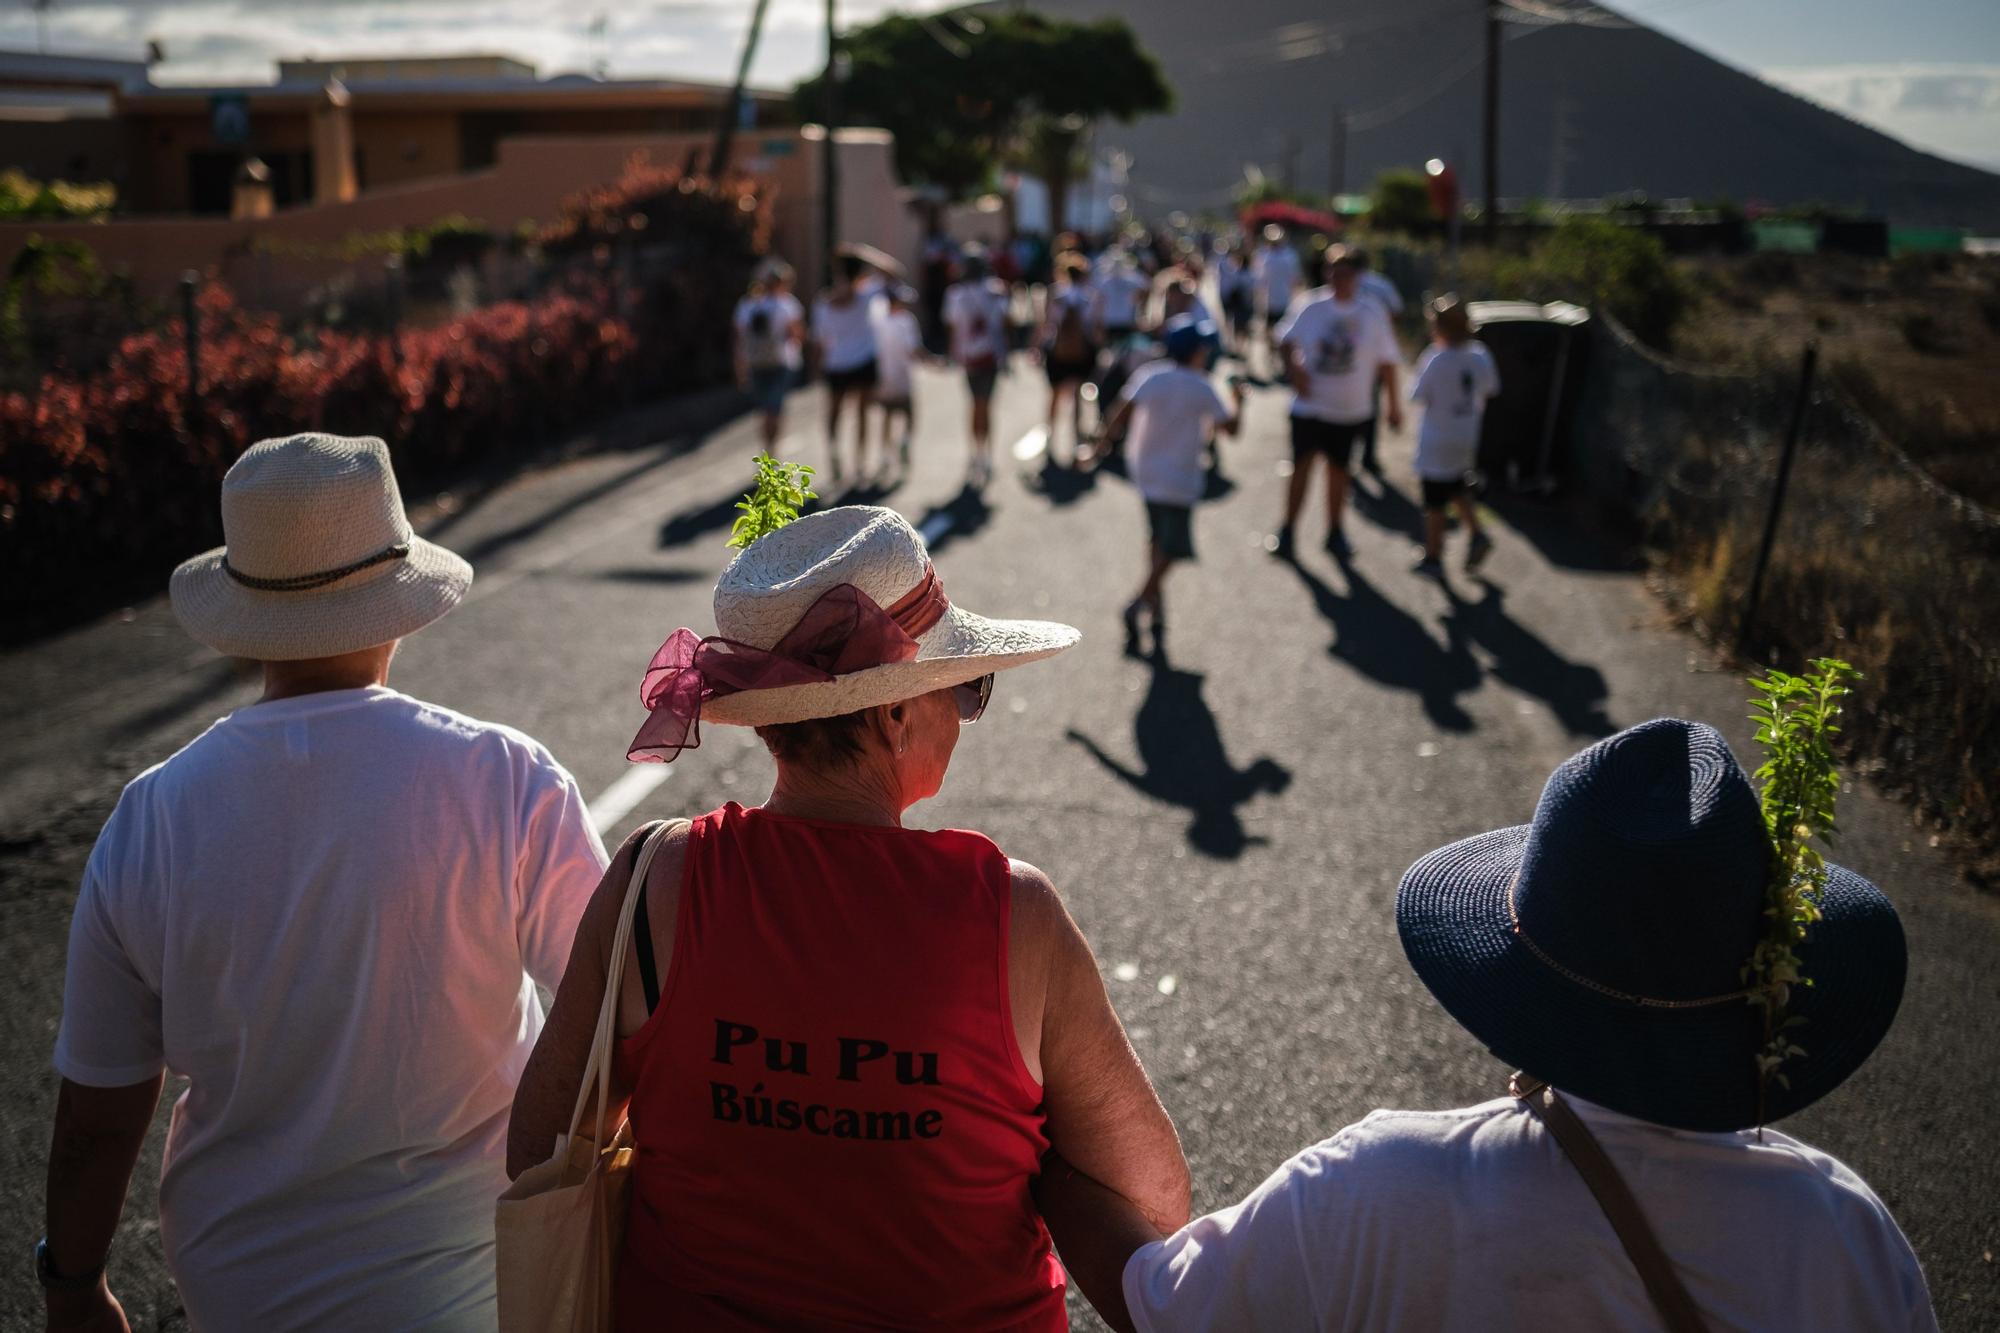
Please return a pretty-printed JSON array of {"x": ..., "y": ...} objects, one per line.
[
  {"x": 845, "y": 381},
  {"x": 1438, "y": 494},
  {"x": 768, "y": 386},
  {"x": 981, "y": 376},
  {"x": 1172, "y": 527},
  {"x": 1332, "y": 440},
  {"x": 1068, "y": 372}
]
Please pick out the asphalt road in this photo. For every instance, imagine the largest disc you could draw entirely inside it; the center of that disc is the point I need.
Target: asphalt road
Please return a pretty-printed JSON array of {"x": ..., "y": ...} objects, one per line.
[{"x": 1228, "y": 826}]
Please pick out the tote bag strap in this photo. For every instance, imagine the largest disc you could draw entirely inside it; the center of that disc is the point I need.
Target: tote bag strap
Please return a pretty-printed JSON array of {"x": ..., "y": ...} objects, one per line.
[
  {"x": 1635, "y": 1233},
  {"x": 597, "y": 1070}
]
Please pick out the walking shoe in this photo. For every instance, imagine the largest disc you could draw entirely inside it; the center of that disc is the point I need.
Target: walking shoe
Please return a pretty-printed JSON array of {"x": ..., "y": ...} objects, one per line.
[
  {"x": 1132, "y": 610},
  {"x": 1279, "y": 544},
  {"x": 1337, "y": 547},
  {"x": 1475, "y": 554},
  {"x": 1429, "y": 568}
]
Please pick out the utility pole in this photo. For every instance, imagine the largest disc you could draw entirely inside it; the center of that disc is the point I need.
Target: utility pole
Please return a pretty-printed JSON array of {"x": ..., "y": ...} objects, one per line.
[
  {"x": 1491, "y": 147},
  {"x": 1337, "y": 157},
  {"x": 830, "y": 164},
  {"x": 718, "y": 161}
]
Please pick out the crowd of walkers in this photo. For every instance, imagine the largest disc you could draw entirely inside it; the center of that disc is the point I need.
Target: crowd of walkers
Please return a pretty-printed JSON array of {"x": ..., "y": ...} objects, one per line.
[{"x": 871, "y": 1075}]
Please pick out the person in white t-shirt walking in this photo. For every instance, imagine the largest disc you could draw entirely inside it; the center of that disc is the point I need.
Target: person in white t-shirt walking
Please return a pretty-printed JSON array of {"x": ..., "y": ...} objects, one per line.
[
  {"x": 1274, "y": 272},
  {"x": 975, "y": 311},
  {"x": 1629, "y": 1180},
  {"x": 1338, "y": 347},
  {"x": 1454, "y": 379},
  {"x": 329, "y": 912},
  {"x": 769, "y": 329},
  {"x": 1172, "y": 407},
  {"x": 1374, "y": 286},
  {"x": 843, "y": 353},
  {"x": 899, "y": 344}
]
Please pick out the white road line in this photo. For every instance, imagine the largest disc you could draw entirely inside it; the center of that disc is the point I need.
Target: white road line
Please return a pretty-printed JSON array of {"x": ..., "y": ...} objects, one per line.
[
  {"x": 936, "y": 526},
  {"x": 1032, "y": 446},
  {"x": 619, "y": 798}
]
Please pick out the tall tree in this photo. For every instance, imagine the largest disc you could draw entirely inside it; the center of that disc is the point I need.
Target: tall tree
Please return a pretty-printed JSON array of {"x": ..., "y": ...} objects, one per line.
[{"x": 964, "y": 92}]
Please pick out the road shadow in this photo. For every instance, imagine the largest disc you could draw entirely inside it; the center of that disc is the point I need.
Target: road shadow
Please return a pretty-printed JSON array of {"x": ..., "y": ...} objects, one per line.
[
  {"x": 968, "y": 513},
  {"x": 1568, "y": 534},
  {"x": 1385, "y": 643},
  {"x": 1061, "y": 485},
  {"x": 1185, "y": 763},
  {"x": 691, "y": 525},
  {"x": 873, "y": 491},
  {"x": 1387, "y": 507},
  {"x": 1574, "y": 691},
  {"x": 655, "y": 577}
]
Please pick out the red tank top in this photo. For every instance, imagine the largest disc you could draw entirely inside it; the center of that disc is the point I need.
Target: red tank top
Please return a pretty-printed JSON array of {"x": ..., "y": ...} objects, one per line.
[{"x": 835, "y": 1128}]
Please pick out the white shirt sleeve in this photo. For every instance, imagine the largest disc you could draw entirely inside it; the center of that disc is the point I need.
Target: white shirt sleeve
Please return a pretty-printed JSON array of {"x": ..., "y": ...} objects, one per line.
[
  {"x": 561, "y": 861},
  {"x": 1218, "y": 409},
  {"x": 1387, "y": 350},
  {"x": 1290, "y": 323},
  {"x": 1489, "y": 371},
  {"x": 1421, "y": 384},
  {"x": 111, "y": 1033},
  {"x": 1244, "y": 1267}
]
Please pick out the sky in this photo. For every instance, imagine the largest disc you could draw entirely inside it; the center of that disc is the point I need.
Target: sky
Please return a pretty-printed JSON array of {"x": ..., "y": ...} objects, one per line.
[{"x": 1925, "y": 71}]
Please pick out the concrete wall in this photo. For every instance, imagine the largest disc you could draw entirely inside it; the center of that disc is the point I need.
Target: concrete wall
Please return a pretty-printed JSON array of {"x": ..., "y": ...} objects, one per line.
[{"x": 528, "y": 183}]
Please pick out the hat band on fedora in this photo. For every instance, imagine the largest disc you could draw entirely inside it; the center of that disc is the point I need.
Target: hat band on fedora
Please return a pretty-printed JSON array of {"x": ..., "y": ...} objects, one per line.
[
  {"x": 845, "y": 631},
  {"x": 307, "y": 582},
  {"x": 1644, "y": 1001}
]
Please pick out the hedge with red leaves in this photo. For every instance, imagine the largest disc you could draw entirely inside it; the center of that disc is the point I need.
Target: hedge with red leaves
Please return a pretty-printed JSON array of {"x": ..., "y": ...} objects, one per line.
[{"x": 104, "y": 485}]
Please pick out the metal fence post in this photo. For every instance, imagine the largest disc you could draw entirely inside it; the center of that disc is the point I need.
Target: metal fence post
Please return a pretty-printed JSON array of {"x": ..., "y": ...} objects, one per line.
[
  {"x": 191, "y": 337},
  {"x": 1799, "y": 408}
]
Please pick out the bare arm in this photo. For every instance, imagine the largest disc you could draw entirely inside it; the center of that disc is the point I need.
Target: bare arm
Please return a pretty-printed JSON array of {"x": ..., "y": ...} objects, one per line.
[
  {"x": 1097, "y": 1230},
  {"x": 549, "y": 1084},
  {"x": 1388, "y": 373},
  {"x": 1103, "y": 1115},
  {"x": 98, "y": 1134}
]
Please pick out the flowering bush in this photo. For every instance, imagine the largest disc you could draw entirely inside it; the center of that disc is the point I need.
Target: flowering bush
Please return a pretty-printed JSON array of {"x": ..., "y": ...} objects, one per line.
[
  {"x": 105, "y": 481},
  {"x": 108, "y": 475}
]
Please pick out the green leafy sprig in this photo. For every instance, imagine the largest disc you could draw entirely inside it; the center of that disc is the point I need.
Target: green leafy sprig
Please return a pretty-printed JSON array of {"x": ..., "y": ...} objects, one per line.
[
  {"x": 775, "y": 500},
  {"x": 1797, "y": 719}
]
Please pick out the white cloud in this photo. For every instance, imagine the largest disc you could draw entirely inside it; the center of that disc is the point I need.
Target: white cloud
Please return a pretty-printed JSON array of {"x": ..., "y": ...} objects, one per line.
[{"x": 1948, "y": 108}]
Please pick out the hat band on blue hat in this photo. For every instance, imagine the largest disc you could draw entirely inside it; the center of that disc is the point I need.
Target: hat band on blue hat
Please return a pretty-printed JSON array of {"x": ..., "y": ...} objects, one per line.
[{"x": 1644, "y": 1001}]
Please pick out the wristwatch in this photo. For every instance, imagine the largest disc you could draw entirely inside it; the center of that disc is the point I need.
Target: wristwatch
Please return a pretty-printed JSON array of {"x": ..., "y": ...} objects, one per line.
[{"x": 45, "y": 1271}]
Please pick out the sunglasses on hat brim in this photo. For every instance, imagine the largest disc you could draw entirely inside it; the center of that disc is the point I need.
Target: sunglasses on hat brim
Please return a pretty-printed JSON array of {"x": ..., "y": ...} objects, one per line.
[{"x": 972, "y": 697}]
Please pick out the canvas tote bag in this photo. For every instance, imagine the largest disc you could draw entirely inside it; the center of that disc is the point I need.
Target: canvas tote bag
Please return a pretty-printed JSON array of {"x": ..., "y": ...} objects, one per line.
[{"x": 558, "y": 1228}]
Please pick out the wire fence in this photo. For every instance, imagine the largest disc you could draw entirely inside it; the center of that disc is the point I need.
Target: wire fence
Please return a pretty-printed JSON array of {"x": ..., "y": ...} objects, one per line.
[{"x": 1874, "y": 561}]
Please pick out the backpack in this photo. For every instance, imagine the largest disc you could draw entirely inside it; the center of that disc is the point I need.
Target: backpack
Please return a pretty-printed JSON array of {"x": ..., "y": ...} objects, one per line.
[{"x": 763, "y": 347}]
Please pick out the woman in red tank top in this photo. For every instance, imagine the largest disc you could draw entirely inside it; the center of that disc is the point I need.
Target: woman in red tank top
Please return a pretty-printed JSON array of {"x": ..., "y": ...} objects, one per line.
[{"x": 847, "y": 1046}]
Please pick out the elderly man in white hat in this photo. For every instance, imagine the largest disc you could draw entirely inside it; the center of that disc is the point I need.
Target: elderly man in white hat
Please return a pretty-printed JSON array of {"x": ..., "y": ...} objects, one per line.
[{"x": 329, "y": 913}]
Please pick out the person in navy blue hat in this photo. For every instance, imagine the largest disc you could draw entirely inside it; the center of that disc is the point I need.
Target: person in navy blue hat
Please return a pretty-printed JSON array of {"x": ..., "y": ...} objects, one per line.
[
  {"x": 1600, "y": 950},
  {"x": 1172, "y": 408}
]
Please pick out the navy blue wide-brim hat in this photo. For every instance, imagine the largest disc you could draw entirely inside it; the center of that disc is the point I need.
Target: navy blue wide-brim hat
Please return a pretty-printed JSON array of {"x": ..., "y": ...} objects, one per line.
[{"x": 1601, "y": 948}]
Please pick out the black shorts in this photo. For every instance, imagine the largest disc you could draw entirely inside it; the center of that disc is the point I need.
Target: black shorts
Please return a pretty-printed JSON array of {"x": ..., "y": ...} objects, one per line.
[
  {"x": 1332, "y": 440},
  {"x": 1068, "y": 372},
  {"x": 1172, "y": 527},
  {"x": 858, "y": 377},
  {"x": 1438, "y": 494}
]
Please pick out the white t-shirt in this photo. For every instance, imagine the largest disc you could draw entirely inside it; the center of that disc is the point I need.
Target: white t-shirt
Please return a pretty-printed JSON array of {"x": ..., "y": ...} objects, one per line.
[
  {"x": 897, "y": 339},
  {"x": 1452, "y": 384},
  {"x": 1380, "y": 290},
  {"x": 330, "y": 913},
  {"x": 1276, "y": 268},
  {"x": 845, "y": 333},
  {"x": 1117, "y": 299},
  {"x": 1473, "y": 1220},
  {"x": 782, "y": 311},
  {"x": 1343, "y": 345},
  {"x": 1173, "y": 409},
  {"x": 977, "y": 314}
]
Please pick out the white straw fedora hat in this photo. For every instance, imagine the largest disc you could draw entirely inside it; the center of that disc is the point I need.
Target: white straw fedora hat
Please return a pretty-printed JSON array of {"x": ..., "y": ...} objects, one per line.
[
  {"x": 318, "y": 559},
  {"x": 835, "y": 612}
]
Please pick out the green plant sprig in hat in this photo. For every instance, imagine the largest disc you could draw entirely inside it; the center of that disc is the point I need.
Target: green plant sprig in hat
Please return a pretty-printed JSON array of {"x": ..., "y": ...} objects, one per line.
[
  {"x": 777, "y": 498},
  {"x": 1796, "y": 719}
]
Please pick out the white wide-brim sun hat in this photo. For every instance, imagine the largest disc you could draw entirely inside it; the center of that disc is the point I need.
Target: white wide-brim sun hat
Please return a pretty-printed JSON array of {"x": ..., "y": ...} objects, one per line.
[
  {"x": 319, "y": 558},
  {"x": 773, "y": 582}
]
